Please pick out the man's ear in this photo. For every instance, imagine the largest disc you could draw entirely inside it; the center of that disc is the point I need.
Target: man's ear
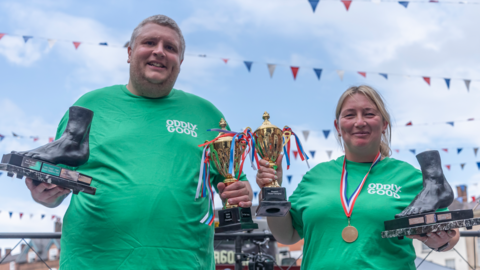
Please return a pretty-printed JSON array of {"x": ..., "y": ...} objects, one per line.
[{"x": 129, "y": 54}]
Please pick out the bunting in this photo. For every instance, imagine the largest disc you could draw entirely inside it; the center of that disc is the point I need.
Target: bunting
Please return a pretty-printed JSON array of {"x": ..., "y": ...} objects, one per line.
[
  {"x": 11, "y": 214},
  {"x": 413, "y": 151},
  {"x": 459, "y": 150},
  {"x": 447, "y": 81},
  {"x": 103, "y": 44},
  {"x": 312, "y": 153},
  {"x": 385, "y": 75},
  {"x": 467, "y": 84},
  {"x": 76, "y": 44},
  {"x": 326, "y": 133},
  {"x": 51, "y": 42},
  {"x": 318, "y": 72},
  {"x": 295, "y": 153},
  {"x": 403, "y": 3},
  {"x": 445, "y": 149},
  {"x": 340, "y": 74},
  {"x": 294, "y": 72},
  {"x": 448, "y": 167},
  {"x": 314, "y": 4},
  {"x": 451, "y": 123},
  {"x": 225, "y": 60},
  {"x": 363, "y": 74},
  {"x": 255, "y": 193},
  {"x": 26, "y": 38},
  {"x": 271, "y": 69},
  {"x": 1, "y": 35},
  {"x": 305, "y": 134},
  {"x": 475, "y": 150},
  {"x": 347, "y": 3},
  {"x": 427, "y": 80},
  {"x": 289, "y": 178},
  {"x": 329, "y": 154},
  {"x": 248, "y": 64},
  {"x": 462, "y": 165}
]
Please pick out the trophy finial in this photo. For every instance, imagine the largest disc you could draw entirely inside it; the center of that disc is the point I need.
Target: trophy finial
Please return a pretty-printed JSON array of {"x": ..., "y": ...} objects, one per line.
[
  {"x": 223, "y": 123},
  {"x": 266, "y": 116}
]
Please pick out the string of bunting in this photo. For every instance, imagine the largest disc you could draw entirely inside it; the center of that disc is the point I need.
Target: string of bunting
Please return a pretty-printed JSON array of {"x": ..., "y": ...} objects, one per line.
[
  {"x": 347, "y": 3},
  {"x": 21, "y": 214},
  {"x": 270, "y": 66}
]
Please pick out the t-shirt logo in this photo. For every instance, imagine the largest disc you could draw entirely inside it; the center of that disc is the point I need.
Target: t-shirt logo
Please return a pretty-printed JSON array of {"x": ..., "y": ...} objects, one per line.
[
  {"x": 384, "y": 189},
  {"x": 181, "y": 127}
]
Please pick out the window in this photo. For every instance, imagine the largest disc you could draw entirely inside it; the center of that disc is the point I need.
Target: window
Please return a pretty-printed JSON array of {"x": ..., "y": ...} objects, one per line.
[
  {"x": 425, "y": 248},
  {"x": 12, "y": 265},
  {"x": 53, "y": 253},
  {"x": 31, "y": 256},
  {"x": 450, "y": 263}
]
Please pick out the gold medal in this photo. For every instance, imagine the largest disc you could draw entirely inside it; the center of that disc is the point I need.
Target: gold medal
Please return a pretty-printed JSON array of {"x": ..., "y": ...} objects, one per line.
[{"x": 349, "y": 234}]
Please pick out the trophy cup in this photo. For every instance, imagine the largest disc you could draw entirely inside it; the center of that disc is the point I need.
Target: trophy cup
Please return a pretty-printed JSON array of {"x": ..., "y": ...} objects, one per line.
[
  {"x": 420, "y": 217},
  {"x": 231, "y": 217},
  {"x": 71, "y": 149},
  {"x": 269, "y": 143}
]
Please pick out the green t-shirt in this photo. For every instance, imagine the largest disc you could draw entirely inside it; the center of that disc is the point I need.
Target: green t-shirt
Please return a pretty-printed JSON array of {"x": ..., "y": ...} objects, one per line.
[
  {"x": 145, "y": 162},
  {"x": 319, "y": 218}
]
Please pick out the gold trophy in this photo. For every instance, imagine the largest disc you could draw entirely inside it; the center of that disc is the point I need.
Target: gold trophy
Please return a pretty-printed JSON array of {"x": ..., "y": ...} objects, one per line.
[
  {"x": 269, "y": 144},
  {"x": 231, "y": 217}
]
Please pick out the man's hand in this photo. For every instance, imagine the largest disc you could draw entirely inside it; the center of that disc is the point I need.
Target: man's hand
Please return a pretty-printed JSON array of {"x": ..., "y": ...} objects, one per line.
[
  {"x": 236, "y": 193},
  {"x": 435, "y": 240},
  {"x": 46, "y": 194}
]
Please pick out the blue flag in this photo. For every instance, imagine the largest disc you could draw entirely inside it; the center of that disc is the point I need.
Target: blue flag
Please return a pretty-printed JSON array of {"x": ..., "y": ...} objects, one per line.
[
  {"x": 312, "y": 153},
  {"x": 459, "y": 150},
  {"x": 26, "y": 38},
  {"x": 1, "y": 137},
  {"x": 103, "y": 44},
  {"x": 43, "y": 216},
  {"x": 326, "y": 133},
  {"x": 385, "y": 75},
  {"x": 478, "y": 165},
  {"x": 248, "y": 64},
  {"x": 255, "y": 193},
  {"x": 318, "y": 71},
  {"x": 447, "y": 81},
  {"x": 1, "y": 173},
  {"x": 289, "y": 177},
  {"x": 11, "y": 213},
  {"x": 413, "y": 151},
  {"x": 314, "y": 4},
  {"x": 451, "y": 123},
  {"x": 403, "y": 3}
]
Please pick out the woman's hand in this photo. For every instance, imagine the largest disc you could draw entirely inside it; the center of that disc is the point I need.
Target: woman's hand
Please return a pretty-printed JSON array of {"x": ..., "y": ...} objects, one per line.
[
  {"x": 46, "y": 194},
  {"x": 435, "y": 240},
  {"x": 266, "y": 175}
]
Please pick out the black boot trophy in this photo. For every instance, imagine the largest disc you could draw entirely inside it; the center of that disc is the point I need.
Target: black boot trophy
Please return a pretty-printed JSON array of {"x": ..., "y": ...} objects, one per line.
[
  {"x": 420, "y": 216},
  {"x": 71, "y": 149}
]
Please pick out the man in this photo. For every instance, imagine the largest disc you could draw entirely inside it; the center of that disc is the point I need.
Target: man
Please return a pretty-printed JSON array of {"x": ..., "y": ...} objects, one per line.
[{"x": 145, "y": 160}]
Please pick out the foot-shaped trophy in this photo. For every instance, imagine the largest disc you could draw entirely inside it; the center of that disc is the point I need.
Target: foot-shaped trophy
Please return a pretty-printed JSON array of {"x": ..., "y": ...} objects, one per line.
[
  {"x": 420, "y": 216},
  {"x": 72, "y": 149}
]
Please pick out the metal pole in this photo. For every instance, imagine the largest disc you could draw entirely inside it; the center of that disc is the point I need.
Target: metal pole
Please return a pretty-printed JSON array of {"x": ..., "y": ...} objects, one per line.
[
  {"x": 238, "y": 251},
  {"x": 30, "y": 235}
]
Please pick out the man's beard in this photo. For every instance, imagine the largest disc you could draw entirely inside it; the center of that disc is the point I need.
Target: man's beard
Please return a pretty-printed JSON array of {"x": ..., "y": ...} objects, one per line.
[{"x": 145, "y": 88}]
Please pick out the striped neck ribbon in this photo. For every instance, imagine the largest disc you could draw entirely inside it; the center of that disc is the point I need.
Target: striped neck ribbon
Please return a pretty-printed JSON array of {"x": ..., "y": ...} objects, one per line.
[{"x": 348, "y": 203}]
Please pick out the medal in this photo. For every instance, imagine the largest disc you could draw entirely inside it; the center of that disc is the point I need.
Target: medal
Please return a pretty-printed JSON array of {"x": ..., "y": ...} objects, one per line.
[{"x": 350, "y": 233}]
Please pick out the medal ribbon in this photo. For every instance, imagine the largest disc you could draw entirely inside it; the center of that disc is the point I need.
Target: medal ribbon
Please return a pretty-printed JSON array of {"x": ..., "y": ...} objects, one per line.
[{"x": 348, "y": 203}]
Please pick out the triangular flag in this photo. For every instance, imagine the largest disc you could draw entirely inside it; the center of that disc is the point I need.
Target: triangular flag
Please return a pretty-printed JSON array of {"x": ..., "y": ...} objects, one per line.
[
  {"x": 53, "y": 216},
  {"x": 11, "y": 213},
  {"x": 397, "y": 150},
  {"x": 225, "y": 60},
  {"x": 21, "y": 215},
  {"x": 43, "y": 216},
  {"x": 305, "y": 134},
  {"x": 26, "y": 38},
  {"x": 340, "y": 74},
  {"x": 312, "y": 153},
  {"x": 1, "y": 175},
  {"x": 326, "y": 133},
  {"x": 385, "y": 75},
  {"x": 255, "y": 193},
  {"x": 451, "y": 123},
  {"x": 427, "y": 80},
  {"x": 459, "y": 150},
  {"x": 347, "y": 3},
  {"x": 318, "y": 72},
  {"x": 409, "y": 123},
  {"x": 445, "y": 149},
  {"x": 470, "y": 119},
  {"x": 51, "y": 42},
  {"x": 289, "y": 177},
  {"x": 478, "y": 165},
  {"x": 413, "y": 151},
  {"x": 314, "y": 4},
  {"x": 462, "y": 165},
  {"x": 364, "y": 74},
  {"x": 447, "y": 81},
  {"x": 467, "y": 84},
  {"x": 103, "y": 44},
  {"x": 31, "y": 215},
  {"x": 1, "y": 137},
  {"x": 15, "y": 135},
  {"x": 271, "y": 69},
  {"x": 1, "y": 35},
  {"x": 76, "y": 44},
  {"x": 126, "y": 44},
  {"x": 51, "y": 139},
  {"x": 248, "y": 64},
  {"x": 329, "y": 153},
  {"x": 403, "y": 3},
  {"x": 294, "y": 72},
  {"x": 35, "y": 139},
  {"x": 433, "y": 1},
  {"x": 448, "y": 167},
  {"x": 295, "y": 153},
  {"x": 475, "y": 150}
]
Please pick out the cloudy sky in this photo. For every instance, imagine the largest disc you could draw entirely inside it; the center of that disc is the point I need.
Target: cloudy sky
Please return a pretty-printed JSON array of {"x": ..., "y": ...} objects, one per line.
[{"x": 39, "y": 82}]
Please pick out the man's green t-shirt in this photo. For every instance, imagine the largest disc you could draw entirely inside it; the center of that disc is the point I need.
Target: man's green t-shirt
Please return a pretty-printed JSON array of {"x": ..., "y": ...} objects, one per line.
[
  {"x": 145, "y": 162},
  {"x": 319, "y": 218}
]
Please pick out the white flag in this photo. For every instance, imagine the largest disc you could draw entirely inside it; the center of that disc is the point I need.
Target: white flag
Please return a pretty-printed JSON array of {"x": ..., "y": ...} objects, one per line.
[
  {"x": 271, "y": 69},
  {"x": 51, "y": 42},
  {"x": 340, "y": 74},
  {"x": 305, "y": 134},
  {"x": 329, "y": 153}
]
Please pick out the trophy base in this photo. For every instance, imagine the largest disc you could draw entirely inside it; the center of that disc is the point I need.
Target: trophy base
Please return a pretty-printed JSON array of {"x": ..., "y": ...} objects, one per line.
[
  {"x": 273, "y": 209},
  {"x": 20, "y": 166},
  {"x": 429, "y": 222},
  {"x": 235, "y": 219}
]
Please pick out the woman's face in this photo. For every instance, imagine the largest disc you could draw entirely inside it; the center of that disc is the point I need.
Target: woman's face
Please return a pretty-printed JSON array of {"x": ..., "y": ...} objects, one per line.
[{"x": 360, "y": 124}]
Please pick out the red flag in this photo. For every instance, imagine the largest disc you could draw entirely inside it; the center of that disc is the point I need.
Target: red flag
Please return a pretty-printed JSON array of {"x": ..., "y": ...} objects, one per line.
[
  {"x": 347, "y": 3},
  {"x": 448, "y": 167},
  {"x": 76, "y": 44},
  {"x": 21, "y": 215},
  {"x": 397, "y": 150},
  {"x": 409, "y": 123},
  {"x": 35, "y": 139},
  {"x": 1, "y": 35},
  {"x": 294, "y": 71},
  {"x": 295, "y": 153},
  {"x": 364, "y": 74},
  {"x": 445, "y": 149},
  {"x": 50, "y": 139},
  {"x": 53, "y": 216},
  {"x": 427, "y": 79},
  {"x": 473, "y": 199},
  {"x": 225, "y": 60}
]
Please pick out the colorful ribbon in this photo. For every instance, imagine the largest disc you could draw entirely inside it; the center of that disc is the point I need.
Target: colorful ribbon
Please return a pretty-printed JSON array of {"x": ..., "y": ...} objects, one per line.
[{"x": 287, "y": 133}]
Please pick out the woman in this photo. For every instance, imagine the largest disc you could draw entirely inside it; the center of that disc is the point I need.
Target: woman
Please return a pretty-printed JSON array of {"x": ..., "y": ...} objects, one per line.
[{"x": 322, "y": 217}]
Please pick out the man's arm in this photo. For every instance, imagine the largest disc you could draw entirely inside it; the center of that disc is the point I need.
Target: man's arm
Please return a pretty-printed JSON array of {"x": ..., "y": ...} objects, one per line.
[{"x": 48, "y": 195}]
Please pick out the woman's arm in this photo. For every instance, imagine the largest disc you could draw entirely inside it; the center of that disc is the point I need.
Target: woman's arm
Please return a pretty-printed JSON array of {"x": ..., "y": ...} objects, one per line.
[{"x": 282, "y": 229}]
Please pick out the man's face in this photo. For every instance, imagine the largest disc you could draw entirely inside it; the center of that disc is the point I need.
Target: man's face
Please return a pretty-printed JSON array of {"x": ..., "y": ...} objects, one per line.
[{"x": 155, "y": 60}]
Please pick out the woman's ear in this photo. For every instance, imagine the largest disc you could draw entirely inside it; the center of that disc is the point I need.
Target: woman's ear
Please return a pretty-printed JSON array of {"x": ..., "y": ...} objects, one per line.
[
  {"x": 385, "y": 126},
  {"x": 336, "y": 127}
]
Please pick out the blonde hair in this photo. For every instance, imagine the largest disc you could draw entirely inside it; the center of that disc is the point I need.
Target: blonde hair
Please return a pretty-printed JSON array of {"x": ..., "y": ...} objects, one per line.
[{"x": 377, "y": 99}]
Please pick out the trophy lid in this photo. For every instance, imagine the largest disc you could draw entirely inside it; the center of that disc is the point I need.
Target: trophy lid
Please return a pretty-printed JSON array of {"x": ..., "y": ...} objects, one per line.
[
  {"x": 223, "y": 125},
  {"x": 266, "y": 123}
]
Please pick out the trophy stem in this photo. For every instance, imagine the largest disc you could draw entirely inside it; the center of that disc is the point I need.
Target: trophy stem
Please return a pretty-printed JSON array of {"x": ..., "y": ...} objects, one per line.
[
  {"x": 274, "y": 183},
  {"x": 228, "y": 181}
]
